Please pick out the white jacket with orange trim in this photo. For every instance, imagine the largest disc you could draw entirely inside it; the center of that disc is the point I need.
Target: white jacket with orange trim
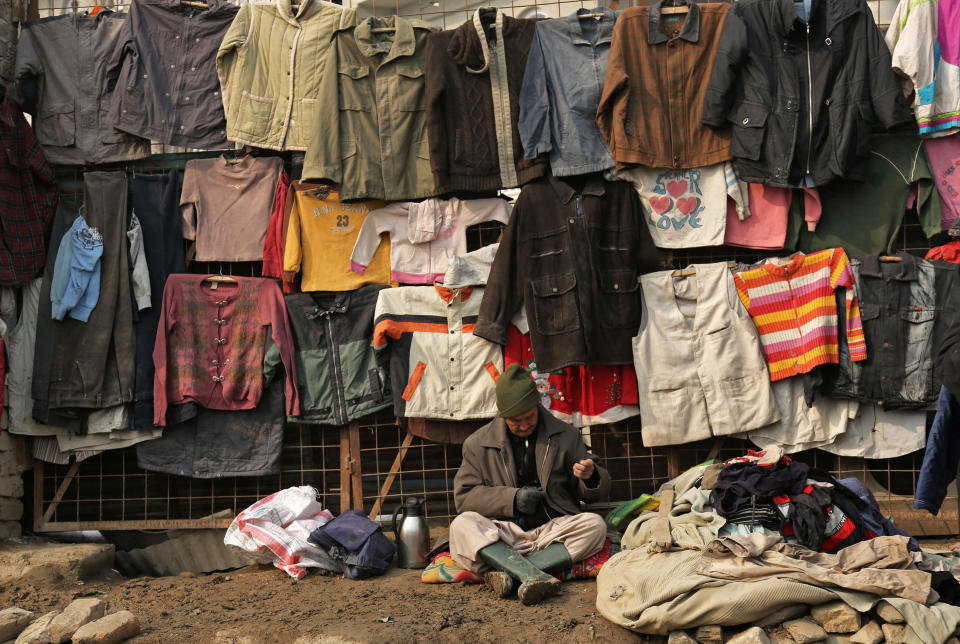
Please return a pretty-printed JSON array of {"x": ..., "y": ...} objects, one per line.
[{"x": 438, "y": 368}]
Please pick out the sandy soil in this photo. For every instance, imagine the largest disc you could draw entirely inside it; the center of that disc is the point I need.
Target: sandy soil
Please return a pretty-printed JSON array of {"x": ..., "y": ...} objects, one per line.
[{"x": 263, "y": 604}]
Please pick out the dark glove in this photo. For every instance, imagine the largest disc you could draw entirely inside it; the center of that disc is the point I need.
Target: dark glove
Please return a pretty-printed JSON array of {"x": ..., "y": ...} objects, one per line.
[{"x": 528, "y": 499}]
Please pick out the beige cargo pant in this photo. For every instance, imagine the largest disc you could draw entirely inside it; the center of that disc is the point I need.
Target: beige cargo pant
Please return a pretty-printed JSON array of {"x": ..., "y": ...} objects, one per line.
[{"x": 582, "y": 534}]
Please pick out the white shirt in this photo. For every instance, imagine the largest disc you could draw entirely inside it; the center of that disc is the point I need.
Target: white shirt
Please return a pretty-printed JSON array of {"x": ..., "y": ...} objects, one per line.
[{"x": 423, "y": 236}]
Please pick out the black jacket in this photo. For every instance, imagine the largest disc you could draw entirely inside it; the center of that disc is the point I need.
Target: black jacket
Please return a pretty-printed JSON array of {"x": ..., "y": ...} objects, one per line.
[
  {"x": 571, "y": 258},
  {"x": 468, "y": 151},
  {"x": 948, "y": 358},
  {"x": 802, "y": 96},
  {"x": 906, "y": 307}
]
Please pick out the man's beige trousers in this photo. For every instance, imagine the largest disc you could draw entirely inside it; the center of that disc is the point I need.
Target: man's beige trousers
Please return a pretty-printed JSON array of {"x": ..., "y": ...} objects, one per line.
[{"x": 582, "y": 534}]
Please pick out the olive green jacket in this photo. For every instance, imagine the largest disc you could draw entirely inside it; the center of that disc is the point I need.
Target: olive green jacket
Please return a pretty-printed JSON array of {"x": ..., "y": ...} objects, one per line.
[
  {"x": 373, "y": 140},
  {"x": 270, "y": 66}
]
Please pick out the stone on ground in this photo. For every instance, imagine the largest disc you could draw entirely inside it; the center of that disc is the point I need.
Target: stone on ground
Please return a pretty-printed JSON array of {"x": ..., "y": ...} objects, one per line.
[
  {"x": 79, "y": 612},
  {"x": 12, "y": 622},
  {"x": 869, "y": 634},
  {"x": 836, "y": 617},
  {"x": 709, "y": 635},
  {"x": 115, "y": 627},
  {"x": 778, "y": 617},
  {"x": 889, "y": 614},
  {"x": 780, "y": 636},
  {"x": 893, "y": 633},
  {"x": 36, "y": 633},
  {"x": 680, "y": 637},
  {"x": 805, "y": 630},
  {"x": 72, "y": 561},
  {"x": 753, "y": 635}
]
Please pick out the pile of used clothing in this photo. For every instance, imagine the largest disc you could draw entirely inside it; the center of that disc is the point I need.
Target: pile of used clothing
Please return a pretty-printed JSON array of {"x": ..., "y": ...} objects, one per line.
[
  {"x": 806, "y": 505},
  {"x": 730, "y": 543}
]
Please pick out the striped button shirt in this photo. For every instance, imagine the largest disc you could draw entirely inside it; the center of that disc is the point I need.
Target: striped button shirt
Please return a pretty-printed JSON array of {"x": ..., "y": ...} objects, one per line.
[{"x": 794, "y": 307}]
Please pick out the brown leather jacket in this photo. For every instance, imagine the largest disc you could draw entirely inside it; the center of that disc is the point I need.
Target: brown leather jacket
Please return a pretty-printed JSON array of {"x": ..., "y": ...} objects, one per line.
[
  {"x": 653, "y": 94},
  {"x": 487, "y": 479}
]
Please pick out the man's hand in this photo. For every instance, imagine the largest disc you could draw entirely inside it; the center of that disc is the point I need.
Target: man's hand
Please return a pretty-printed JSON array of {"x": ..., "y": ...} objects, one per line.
[
  {"x": 583, "y": 469},
  {"x": 528, "y": 499}
]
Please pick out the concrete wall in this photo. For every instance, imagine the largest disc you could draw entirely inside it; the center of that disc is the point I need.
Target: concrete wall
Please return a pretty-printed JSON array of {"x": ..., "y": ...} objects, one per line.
[
  {"x": 8, "y": 42},
  {"x": 11, "y": 487}
]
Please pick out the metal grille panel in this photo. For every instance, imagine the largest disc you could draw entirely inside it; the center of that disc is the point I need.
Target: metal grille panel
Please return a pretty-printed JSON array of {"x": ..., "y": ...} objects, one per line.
[{"x": 109, "y": 491}]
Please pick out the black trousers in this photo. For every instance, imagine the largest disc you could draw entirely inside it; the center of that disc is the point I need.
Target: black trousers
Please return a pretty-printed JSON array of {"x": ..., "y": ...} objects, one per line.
[
  {"x": 67, "y": 211},
  {"x": 156, "y": 202}
]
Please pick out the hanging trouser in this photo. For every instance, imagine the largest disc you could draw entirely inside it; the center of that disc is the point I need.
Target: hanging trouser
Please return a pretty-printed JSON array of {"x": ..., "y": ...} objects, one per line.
[
  {"x": 47, "y": 329},
  {"x": 156, "y": 202},
  {"x": 93, "y": 361},
  {"x": 245, "y": 442}
]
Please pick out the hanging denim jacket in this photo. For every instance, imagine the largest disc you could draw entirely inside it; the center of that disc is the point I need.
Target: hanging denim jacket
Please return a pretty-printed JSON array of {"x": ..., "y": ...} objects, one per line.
[
  {"x": 906, "y": 307},
  {"x": 561, "y": 90},
  {"x": 76, "y": 274},
  {"x": 941, "y": 457}
]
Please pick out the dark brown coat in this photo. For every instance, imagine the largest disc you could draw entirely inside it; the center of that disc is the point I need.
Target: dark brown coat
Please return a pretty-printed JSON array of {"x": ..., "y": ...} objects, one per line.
[
  {"x": 461, "y": 126},
  {"x": 571, "y": 259},
  {"x": 487, "y": 479}
]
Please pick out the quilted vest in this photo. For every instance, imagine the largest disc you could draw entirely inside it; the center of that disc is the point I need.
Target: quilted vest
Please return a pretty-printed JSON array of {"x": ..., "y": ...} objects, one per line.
[{"x": 270, "y": 66}]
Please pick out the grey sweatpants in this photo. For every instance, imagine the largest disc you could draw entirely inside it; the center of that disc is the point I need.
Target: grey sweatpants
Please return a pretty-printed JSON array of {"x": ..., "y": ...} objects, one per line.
[{"x": 582, "y": 534}]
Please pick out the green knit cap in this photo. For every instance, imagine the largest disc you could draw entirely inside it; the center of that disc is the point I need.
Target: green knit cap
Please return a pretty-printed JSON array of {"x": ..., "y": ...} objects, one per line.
[{"x": 516, "y": 392}]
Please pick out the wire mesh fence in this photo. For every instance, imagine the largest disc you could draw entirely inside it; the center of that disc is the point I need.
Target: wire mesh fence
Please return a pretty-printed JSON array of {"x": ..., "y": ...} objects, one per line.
[{"x": 109, "y": 491}]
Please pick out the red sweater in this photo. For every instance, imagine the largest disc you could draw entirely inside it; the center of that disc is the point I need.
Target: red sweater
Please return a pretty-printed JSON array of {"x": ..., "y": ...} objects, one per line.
[{"x": 211, "y": 343}]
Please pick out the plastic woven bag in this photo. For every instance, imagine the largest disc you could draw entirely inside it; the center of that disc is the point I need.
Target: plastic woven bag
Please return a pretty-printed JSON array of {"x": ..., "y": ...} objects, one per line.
[{"x": 275, "y": 530}]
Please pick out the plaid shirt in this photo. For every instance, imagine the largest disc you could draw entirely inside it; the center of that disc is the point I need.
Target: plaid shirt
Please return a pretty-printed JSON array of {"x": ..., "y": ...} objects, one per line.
[{"x": 28, "y": 198}]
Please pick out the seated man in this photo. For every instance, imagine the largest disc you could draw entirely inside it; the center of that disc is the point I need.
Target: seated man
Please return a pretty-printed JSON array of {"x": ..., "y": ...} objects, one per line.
[{"x": 517, "y": 492}]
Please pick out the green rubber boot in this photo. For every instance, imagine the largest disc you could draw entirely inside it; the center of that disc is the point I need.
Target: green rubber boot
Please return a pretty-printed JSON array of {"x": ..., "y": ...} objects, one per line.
[
  {"x": 535, "y": 585},
  {"x": 551, "y": 559}
]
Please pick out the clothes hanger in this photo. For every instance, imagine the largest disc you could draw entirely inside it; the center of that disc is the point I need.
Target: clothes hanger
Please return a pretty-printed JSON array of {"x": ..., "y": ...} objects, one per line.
[
  {"x": 670, "y": 9},
  {"x": 593, "y": 14},
  {"x": 320, "y": 192},
  {"x": 221, "y": 278},
  {"x": 382, "y": 30},
  {"x": 233, "y": 157},
  {"x": 191, "y": 3},
  {"x": 890, "y": 258}
]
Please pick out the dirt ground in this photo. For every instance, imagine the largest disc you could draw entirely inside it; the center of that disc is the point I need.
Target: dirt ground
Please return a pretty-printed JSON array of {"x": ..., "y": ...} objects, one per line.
[{"x": 262, "y": 604}]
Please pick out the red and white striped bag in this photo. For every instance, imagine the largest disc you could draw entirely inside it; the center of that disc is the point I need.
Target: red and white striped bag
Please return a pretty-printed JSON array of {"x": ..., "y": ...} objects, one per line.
[{"x": 275, "y": 530}]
